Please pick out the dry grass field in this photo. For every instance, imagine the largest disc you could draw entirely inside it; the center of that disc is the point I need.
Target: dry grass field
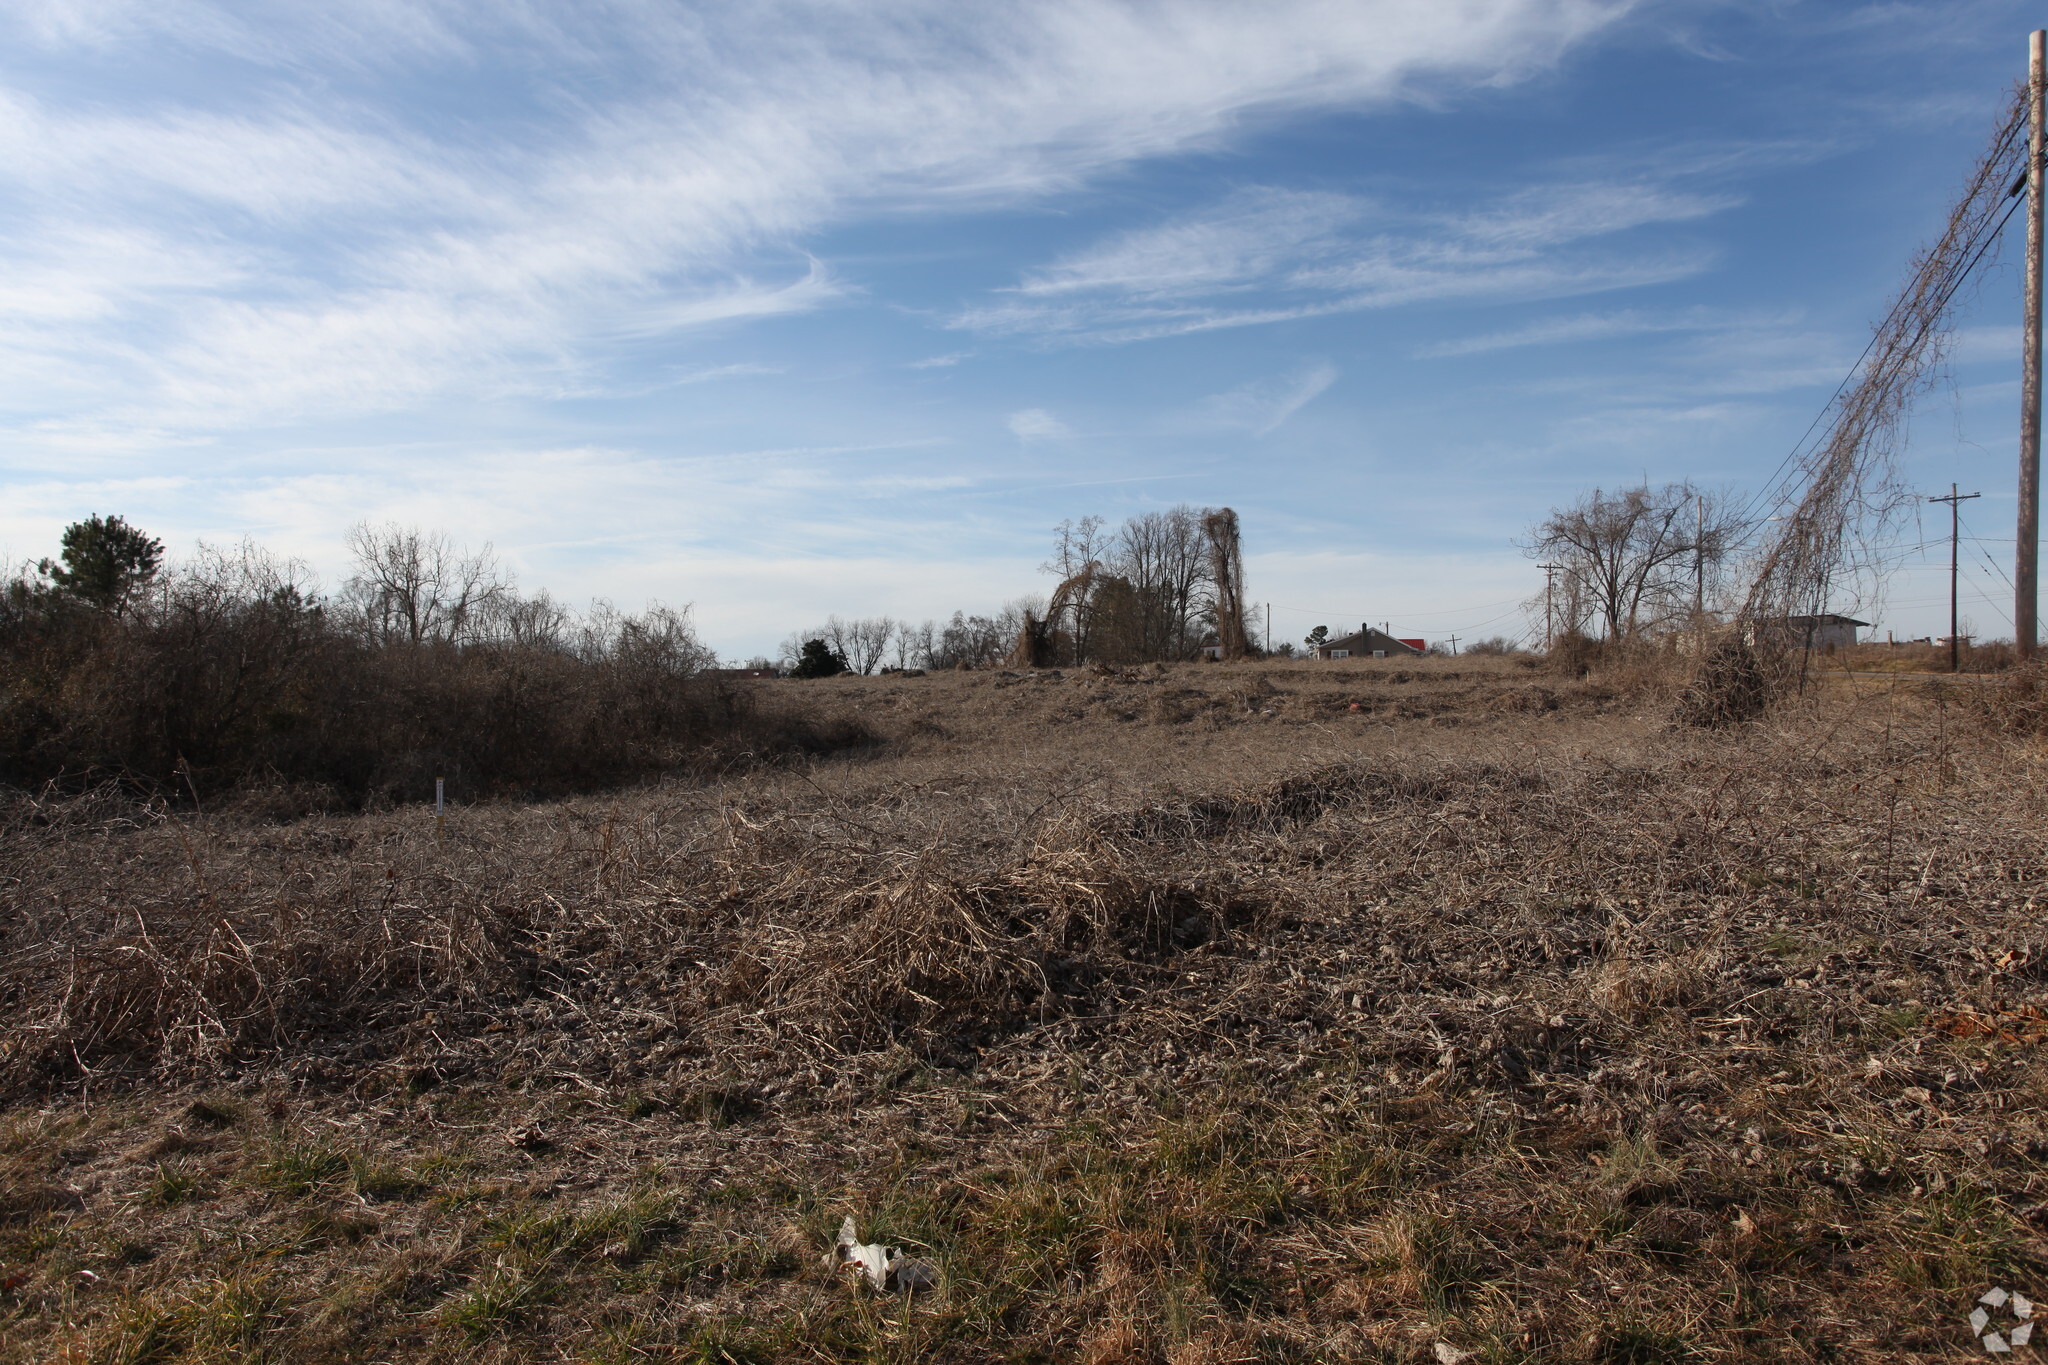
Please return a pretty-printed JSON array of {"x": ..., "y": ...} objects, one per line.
[{"x": 1363, "y": 1012}]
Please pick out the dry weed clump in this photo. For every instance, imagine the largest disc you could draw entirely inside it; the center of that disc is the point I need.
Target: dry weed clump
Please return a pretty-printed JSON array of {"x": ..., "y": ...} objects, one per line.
[
  {"x": 1561, "y": 1036},
  {"x": 2017, "y": 704}
]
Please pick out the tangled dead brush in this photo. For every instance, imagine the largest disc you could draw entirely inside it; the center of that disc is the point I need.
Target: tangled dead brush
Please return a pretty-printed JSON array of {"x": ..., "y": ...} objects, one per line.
[
  {"x": 2017, "y": 704},
  {"x": 766, "y": 945},
  {"x": 1736, "y": 682}
]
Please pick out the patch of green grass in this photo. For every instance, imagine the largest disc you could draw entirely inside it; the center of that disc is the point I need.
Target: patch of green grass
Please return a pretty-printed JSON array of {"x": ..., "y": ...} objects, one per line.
[
  {"x": 730, "y": 1257},
  {"x": 377, "y": 1179},
  {"x": 441, "y": 1166},
  {"x": 1951, "y": 1240},
  {"x": 225, "y": 1318},
  {"x": 470, "y": 1194},
  {"x": 139, "y": 1331},
  {"x": 299, "y": 1167},
  {"x": 1430, "y": 1258},
  {"x": 1639, "y": 1345},
  {"x": 35, "y": 1133},
  {"x": 524, "y": 1230},
  {"x": 1903, "y": 1021},
  {"x": 633, "y": 1224},
  {"x": 232, "y": 1312},
  {"x": 499, "y": 1300},
  {"x": 171, "y": 1183},
  {"x": 1354, "y": 1174},
  {"x": 730, "y": 1343}
]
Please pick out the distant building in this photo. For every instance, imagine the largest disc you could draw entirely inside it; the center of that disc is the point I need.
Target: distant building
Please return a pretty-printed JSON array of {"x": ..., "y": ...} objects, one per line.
[
  {"x": 1822, "y": 632},
  {"x": 1368, "y": 643}
]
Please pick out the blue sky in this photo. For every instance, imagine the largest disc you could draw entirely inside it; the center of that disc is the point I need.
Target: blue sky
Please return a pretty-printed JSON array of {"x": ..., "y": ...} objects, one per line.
[{"x": 783, "y": 309}]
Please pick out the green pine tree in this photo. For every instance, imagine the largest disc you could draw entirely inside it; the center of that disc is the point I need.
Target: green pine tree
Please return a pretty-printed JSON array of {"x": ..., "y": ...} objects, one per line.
[
  {"x": 104, "y": 561},
  {"x": 819, "y": 660}
]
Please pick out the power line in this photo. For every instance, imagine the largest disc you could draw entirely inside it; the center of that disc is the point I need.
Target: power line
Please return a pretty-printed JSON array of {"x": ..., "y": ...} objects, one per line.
[
  {"x": 1978, "y": 541},
  {"x": 1975, "y": 250}
]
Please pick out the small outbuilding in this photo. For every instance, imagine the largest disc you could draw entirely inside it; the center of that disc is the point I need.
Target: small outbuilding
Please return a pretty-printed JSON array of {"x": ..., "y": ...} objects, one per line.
[
  {"x": 1825, "y": 632},
  {"x": 1368, "y": 643}
]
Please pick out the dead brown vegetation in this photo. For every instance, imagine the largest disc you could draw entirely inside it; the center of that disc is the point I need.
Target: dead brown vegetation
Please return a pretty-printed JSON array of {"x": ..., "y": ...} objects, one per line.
[
  {"x": 227, "y": 683},
  {"x": 1329, "y": 1013}
]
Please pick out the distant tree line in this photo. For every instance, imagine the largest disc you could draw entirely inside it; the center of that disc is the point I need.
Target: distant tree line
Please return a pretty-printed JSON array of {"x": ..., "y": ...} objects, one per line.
[
  {"x": 1146, "y": 591},
  {"x": 232, "y": 669},
  {"x": 870, "y": 643}
]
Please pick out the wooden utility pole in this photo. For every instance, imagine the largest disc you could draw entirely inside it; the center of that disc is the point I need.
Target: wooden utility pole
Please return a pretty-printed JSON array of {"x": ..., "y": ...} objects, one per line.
[
  {"x": 1454, "y": 646},
  {"x": 1955, "y": 503},
  {"x": 2027, "y": 552},
  {"x": 1699, "y": 562},
  {"x": 1549, "y": 578}
]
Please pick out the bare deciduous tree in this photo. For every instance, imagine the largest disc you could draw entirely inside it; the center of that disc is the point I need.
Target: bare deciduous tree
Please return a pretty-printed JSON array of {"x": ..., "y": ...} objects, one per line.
[
  {"x": 537, "y": 622},
  {"x": 413, "y": 586},
  {"x": 1635, "y": 559},
  {"x": 1226, "y": 582},
  {"x": 1165, "y": 558},
  {"x": 1153, "y": 590},
  {"x": 914, "y": 644},
  {"x": 1076, "y": 545},
  {"x": 862, "y": 642},
  {"x": 980, "y": 641}
]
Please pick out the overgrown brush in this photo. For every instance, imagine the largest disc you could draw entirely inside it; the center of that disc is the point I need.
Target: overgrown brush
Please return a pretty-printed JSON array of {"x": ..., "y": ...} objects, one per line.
[
  {"x": 2016, "y": 704},
  {"x": 230, "y": 677}
]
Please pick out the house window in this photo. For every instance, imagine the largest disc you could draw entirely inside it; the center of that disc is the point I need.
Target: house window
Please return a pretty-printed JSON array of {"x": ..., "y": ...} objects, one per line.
[
  {"x": 1379, "y": 654},
  {"x": 1340, "y": 653}
]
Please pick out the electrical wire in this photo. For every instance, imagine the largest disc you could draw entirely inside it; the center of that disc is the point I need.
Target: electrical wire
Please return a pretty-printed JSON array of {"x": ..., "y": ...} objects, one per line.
[
  {"x": 1771, "y": 494},
  {"x": 1978, "y": 541}
]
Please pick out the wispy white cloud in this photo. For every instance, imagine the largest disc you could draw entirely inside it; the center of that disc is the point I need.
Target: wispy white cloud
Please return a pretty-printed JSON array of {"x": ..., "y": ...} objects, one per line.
[
  {"x": 1555, "y": 215},
  {"x": 1264, "y": 405},
  {"x": 366, "y": 252},
  {"x": 1036, "y": 424},
  {"x": 1246, "y": 240},
  {"x": 711, "y": 372},
  {"x": 1311, "y": 255},
  {"x": 1597, "y": 327},
  {"x": 939, "y": 362}
]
